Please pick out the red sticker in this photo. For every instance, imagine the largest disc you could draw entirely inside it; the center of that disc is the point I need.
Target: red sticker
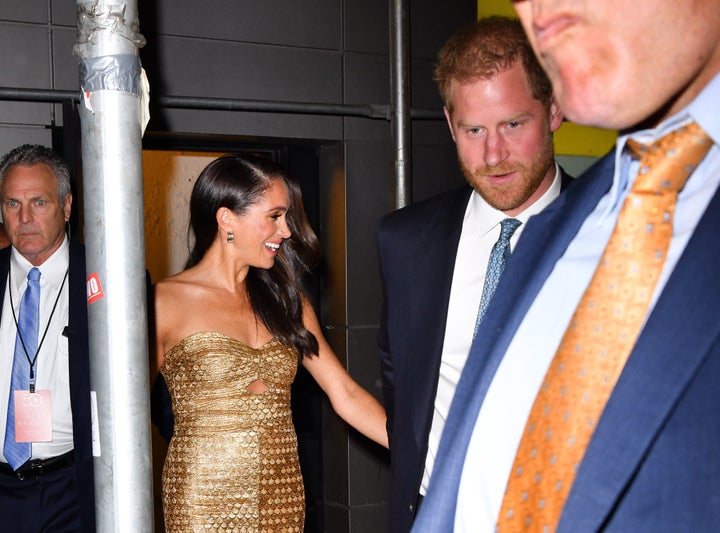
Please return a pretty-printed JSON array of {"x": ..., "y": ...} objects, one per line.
[{"x": 94, "y": 289}]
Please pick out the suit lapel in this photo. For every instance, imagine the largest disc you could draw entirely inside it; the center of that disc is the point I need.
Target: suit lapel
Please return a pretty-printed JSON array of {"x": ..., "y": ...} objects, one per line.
[
  {"x": 4, "y": 268},
  {"x": 654, "y": 378},
  {"x": 432, "y": 267},
  {"x": 76, "y": 330}
]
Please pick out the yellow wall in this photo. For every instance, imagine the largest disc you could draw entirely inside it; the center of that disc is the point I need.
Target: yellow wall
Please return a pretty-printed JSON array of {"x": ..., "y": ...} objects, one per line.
[
  {"x": 495, "y": 7},
  {"x": 574, "y": 139},
  {"x": 570, "y": 139}
]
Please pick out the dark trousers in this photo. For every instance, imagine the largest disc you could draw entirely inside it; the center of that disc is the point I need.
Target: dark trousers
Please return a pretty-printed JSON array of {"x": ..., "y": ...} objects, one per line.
[{"x": 48, "y": 504}]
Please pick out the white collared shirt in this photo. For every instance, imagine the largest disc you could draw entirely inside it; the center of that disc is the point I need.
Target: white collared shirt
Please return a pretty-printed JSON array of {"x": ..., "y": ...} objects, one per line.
[
  {"x": 480, "y": 231},
  {"x": 52, "y": 364}
]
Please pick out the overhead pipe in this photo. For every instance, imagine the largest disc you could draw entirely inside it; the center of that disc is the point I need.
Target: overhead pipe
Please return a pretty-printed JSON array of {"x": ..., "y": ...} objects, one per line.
[
  {"x": 111, "y": 114},
  {"x": 400, "y": 101},
  {"x": 373, "y": 111}
]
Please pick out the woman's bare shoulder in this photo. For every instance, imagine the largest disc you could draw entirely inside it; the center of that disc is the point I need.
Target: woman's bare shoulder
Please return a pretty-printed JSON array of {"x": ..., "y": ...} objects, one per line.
[
  {"x": 183, "y": 305},
  {"x": 180, "y": 285}
]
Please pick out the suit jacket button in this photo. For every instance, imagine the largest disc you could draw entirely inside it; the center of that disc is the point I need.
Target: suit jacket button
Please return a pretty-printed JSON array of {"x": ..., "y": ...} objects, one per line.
[{"x": 412, "y": 508}]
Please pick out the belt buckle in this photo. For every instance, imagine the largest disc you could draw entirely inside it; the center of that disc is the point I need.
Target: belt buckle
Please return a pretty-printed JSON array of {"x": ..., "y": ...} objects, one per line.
[{"x": 35, "y": 471}]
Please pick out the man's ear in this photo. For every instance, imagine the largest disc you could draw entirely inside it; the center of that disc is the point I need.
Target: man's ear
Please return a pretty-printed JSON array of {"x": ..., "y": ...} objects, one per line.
[
  {"x": 67, "y": 206},
  {"x": 556, "y": 114}
]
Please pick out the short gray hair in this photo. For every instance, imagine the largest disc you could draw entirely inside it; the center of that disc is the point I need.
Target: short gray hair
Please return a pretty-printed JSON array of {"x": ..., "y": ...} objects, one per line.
[{"x": 36, "y": 154}]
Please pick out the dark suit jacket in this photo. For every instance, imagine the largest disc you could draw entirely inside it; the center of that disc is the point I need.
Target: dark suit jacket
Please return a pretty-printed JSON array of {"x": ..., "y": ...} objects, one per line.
[
  {"x": 78, "y": 350},
  {"x": 417, "y": 246},
  {"x": 653, "y": 463}
]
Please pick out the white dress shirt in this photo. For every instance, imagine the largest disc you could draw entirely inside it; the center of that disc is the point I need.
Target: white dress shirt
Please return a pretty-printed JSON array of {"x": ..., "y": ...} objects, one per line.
[
  {"x": 51, "y": 366},
  {"x": 480, "y": 231},
  {"x": 509, "y": 399}
]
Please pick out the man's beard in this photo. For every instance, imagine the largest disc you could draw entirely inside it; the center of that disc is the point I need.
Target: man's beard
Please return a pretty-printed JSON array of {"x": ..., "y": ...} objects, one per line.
[{"x": 511, "y": 196}]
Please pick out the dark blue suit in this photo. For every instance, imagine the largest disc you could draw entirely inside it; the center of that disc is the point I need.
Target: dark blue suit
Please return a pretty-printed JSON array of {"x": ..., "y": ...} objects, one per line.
[
  {"x": 417, "y": 247},
  {"x": 653, "y": 463},
  {"x": 77, "y": 335}
]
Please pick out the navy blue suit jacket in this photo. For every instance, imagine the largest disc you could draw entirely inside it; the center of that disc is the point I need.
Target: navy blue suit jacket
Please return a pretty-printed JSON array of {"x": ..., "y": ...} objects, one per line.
[
  {"x": 77, "y": 334},
  {"x": 417, "y": 246},
  {"x": 653, "y": 463}
]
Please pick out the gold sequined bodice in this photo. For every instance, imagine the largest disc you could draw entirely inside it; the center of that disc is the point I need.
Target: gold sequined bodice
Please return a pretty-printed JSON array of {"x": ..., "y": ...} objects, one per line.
[{"x": 232, "y": 463}]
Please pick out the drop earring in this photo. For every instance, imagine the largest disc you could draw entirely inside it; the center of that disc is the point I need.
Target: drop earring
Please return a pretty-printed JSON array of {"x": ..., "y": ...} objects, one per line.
[{"x": 230, "y": 237}]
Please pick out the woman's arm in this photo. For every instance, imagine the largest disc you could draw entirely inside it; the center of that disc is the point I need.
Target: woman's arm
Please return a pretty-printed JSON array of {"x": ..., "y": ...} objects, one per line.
[{"x": 354, "y": 404}]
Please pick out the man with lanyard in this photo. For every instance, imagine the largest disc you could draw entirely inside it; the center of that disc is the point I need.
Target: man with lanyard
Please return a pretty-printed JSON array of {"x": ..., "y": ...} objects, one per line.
[{"x": 46, "y": 475}]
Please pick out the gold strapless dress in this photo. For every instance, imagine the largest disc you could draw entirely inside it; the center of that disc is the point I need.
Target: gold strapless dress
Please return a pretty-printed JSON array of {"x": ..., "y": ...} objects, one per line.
[{"x": 232, "y": 463}]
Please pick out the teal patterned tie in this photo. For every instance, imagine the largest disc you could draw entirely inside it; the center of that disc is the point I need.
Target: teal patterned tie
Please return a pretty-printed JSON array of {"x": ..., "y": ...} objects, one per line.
[
  {"x": 17, "y": 453},
  {"x": 498, "y": 256}
]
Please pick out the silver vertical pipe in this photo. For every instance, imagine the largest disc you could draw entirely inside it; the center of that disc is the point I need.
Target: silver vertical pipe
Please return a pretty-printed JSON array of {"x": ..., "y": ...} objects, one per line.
[
  {"x": 400, "y": 87},
  {"x": 110, "y": 114}
]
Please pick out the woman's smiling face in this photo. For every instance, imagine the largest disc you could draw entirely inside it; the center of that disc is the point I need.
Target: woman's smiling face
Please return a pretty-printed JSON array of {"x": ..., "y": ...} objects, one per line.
[{"x": 259, "y": 232}]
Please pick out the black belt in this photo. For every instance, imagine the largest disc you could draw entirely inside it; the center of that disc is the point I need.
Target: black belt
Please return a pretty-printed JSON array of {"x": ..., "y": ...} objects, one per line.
[{"x": 35, "y": 468}]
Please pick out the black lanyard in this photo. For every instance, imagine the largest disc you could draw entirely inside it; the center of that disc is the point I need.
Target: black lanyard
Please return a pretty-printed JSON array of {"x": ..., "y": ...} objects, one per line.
[{"x": 47, "y": 326}]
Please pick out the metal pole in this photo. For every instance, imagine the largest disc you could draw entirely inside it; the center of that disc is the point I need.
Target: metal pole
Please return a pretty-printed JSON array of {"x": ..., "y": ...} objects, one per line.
[
  {"x": 400, "y": 86},
  {"x": 110, "y": 113}
]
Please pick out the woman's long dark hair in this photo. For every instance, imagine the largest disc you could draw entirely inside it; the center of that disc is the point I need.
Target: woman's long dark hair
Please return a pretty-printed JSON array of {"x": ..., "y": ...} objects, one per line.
[{"x": 237, "y": 182}]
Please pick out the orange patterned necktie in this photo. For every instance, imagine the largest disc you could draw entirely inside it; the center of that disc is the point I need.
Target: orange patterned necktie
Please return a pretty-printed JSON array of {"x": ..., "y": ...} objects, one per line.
[{"x": 599, "y": 338}]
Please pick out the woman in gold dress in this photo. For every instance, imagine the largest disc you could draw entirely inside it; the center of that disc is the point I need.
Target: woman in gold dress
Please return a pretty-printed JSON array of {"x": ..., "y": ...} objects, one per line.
[{"x": 230, "y": 331}]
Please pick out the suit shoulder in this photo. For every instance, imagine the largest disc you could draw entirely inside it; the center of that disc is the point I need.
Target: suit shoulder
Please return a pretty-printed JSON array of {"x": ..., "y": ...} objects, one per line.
[{"x": 426, "y": 212}]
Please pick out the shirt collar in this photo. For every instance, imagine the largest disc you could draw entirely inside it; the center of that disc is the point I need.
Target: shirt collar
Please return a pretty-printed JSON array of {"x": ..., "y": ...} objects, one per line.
[
  {"x": 486, "y": 217},
  {"x": 703, "y": 110},
  {"x": 52, "y": 271}
]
